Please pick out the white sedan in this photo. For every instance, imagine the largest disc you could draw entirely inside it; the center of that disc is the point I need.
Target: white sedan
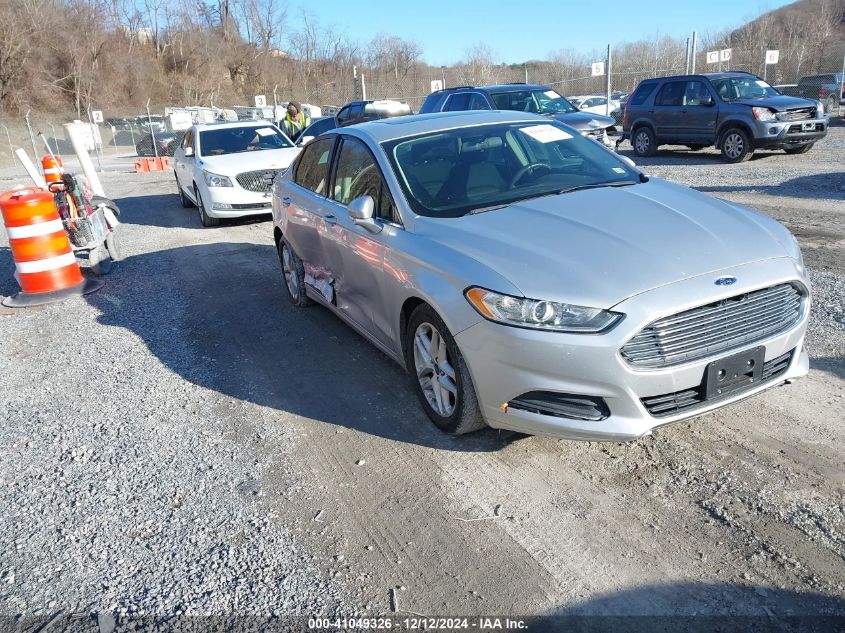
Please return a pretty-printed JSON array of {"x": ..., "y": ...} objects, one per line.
[
  {"x": 226, "y": 170},
  {"x": 594, "y": 104}
]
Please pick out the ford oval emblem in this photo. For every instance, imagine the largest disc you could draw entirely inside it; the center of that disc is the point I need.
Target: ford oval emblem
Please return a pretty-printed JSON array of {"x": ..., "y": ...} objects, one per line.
[{"x": 725, "y": 281}]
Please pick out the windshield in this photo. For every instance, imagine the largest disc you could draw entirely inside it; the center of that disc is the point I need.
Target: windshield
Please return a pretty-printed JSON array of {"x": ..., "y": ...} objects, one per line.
[
  {"x": 455, "y": 172},
  {"x": 234, "y": 140},
  {"x": 736, "y": 88},
  {"x": 539, "y": 101}
]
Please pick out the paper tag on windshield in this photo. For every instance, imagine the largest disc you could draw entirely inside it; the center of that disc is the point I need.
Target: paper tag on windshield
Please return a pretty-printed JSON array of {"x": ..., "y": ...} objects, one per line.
[
  {"x": 265, "y": 131},
  {"x": 619, "y": 170},
  {"x": 545, "y": 133},
  {"x": 551, "y": 94}
]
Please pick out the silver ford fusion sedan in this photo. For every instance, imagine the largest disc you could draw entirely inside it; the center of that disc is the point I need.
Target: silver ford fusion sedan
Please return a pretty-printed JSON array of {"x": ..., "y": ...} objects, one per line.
[{"x": 529, "y": 279}]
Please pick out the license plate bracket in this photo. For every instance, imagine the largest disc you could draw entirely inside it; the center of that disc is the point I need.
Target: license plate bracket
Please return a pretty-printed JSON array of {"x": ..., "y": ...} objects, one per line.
[
  {"x": 808, "y": 126},
  {"x": 734, "y": 373}
]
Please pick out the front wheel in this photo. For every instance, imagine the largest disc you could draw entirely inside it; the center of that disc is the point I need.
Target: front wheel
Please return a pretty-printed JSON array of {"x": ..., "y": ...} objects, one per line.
[
  {"x": 206, "y": 219},
  {"x": 439, "y": 374},
  {"x": 643, "y": 142},
  {"x": 802, "y": 149},
  {"x": 736, "y": 146},
  {"x": 293, "y": 274}
]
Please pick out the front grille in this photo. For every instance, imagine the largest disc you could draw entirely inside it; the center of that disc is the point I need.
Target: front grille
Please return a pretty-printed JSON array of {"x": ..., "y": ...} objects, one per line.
[
  {"x": 672, "y": 403},
  {"x": 714, "y": 328},
  {"x": 260, "y": 181},
  {"x": 798, "y": 114}
]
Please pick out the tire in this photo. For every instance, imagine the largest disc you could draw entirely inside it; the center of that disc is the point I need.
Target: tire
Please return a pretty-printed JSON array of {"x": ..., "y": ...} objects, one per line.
[
  {"x": 185, "y": 200},
  {"x": 453, "y": 409},
  {"x": 735, "y": 146},
  {"x": 643, "y": 142},
  {"x": 207, "y": 220},
  {"x": 801, "y": 149},
  {"x": 99, "y": 260},
  {"x": 696, "y": 148},
  {"x": 293, "y": 275},
  {"x": 114, "y": 247}
]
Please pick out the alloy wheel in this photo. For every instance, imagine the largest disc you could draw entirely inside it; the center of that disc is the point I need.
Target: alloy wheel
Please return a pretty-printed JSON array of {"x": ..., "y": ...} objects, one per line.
[
  {"x": 290, "y": 273},
  {"x": 642, "y": 142},
  {"x": 435, "y": 371},
  {"x": 734, "y": 145}
]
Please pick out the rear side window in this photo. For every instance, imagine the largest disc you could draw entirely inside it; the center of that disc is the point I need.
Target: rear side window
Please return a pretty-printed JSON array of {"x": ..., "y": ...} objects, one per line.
[
  {"x": 457, "y": 102},
  {"x": 671, "y": 94},
  {"x": 312, "y": 170},
  {"x": 643, "y": 92}
]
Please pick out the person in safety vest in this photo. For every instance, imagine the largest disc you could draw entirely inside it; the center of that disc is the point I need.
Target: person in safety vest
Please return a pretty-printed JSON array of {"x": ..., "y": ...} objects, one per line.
[{"x": 295, "y": 120}]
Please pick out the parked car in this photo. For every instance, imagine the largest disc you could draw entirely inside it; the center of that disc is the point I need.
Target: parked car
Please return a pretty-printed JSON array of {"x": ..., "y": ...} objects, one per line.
[
  {"x": 595, "y": 104},
  {"x": 317, "y": 127},
  {"x": 531, "y": 280},
  {"x": 360, "y": 111},
  {"x": 163, "y": 140},
  {"x": 523, "y": 98},
  {"x": 227, "y": 169},
  {"x": 735, "y": 111},
  {"x": 826, "y": 88},
  {"x": 154, "y": 123}
]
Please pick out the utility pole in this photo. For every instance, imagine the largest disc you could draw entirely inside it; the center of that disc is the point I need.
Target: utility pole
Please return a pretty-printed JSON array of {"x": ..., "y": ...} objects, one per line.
[
  {"x": 525, "y": 68},
  {"x": 443, "y": 75},
  {"x": 686, "y": 63},
  {"x": 607, "y": 70},
  {"x": 692, "y": 54},
  {"x": 841, "y": 87}
]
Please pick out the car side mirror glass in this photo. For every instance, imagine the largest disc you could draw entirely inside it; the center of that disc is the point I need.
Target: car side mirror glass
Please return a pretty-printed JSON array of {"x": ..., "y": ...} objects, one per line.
[
  {"x": 707, "y": 101},
  {"x": 189, "y": 151},
  {"x": 362, "y": 210}
]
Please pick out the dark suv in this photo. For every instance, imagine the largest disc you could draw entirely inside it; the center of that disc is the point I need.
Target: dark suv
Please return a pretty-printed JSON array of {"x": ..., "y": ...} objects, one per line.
[
  {"x": 735, "y": 111},
  {"x": 535, "y": 98}
]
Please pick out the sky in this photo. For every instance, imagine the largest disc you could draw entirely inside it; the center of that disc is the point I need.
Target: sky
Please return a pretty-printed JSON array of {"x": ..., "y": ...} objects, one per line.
[{"x": 521, "y": 31}]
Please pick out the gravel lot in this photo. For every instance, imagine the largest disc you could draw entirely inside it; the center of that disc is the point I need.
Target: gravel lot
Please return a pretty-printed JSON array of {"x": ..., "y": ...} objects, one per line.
[{"x": 184, "y": 442}]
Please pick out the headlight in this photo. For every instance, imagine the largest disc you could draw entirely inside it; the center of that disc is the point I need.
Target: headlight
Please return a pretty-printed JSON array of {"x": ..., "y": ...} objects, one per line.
[
  {"x": 819, "y": 109},
  {"x": 763, "y": 114},
  {"x": 214, "y": 180},
  {"x": 538, "y": 314}
]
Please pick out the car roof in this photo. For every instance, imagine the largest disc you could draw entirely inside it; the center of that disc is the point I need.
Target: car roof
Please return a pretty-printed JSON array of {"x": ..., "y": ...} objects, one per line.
[
  {"x": 496, "y": 88},
  {"x": 722, "y": 75},
  {"x": 411, "y": 125},
  {"x": 217, "y": 125}
]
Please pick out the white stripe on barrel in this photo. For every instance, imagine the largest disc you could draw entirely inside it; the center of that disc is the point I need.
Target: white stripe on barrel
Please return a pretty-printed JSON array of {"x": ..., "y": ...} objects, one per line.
[
  {"x": 34, "y": 230},
  {"x": 43, "y": 265}
]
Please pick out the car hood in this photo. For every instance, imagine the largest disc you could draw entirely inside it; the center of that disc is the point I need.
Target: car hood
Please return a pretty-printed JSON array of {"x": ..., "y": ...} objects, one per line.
[
  {"x": 779, "y": 103},
  {"x": 229, "y": 164},
  {"x": 598, "y": 247},
  {"x": 584, "y": 120}
]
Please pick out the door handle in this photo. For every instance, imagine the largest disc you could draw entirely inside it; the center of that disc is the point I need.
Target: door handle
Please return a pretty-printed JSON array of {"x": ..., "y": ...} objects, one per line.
[
  {"x": 330, "y": 219},
  {"x": 651, "y": 111},
  {"x": 286, "y": 201},
  {"x": 683, "y": 111}
]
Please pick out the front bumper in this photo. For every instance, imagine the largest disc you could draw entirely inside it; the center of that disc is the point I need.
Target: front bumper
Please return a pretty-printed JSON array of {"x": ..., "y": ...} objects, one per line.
[
  {"x": 786, "y": 133},
  {"x": 235, "y": 202},
  {"x": 507, "y": 362}
]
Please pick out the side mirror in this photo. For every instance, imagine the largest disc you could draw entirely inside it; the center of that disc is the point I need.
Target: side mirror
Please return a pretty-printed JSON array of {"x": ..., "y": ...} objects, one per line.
[
  {"x": 361, "y": 210},
  {"x": 707, "y": 101},
  {"x": 304, "y": 139},
  {"x": 189, "y": 151},
  {"x": 583, "y": 106}
]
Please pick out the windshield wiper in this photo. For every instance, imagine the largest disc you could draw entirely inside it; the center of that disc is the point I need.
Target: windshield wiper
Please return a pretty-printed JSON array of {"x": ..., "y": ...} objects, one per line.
[
  {"x": 490, "y": 208},
  {"x": 598, "y": 185}
]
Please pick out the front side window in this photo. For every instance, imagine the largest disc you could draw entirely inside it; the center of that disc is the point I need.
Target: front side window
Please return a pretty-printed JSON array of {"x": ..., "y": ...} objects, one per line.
[
  {"x": 696, "y": 94},
  {"x": 477, "y": 102},
  {"x": 235, "y": 140},
  {"x": 356, "y": 173},
  {"x": 455, "y": 172},
  {"x": 312, "y": 169}
]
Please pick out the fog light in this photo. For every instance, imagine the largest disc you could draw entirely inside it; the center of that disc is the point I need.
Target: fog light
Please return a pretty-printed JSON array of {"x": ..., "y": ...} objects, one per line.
[
  {"x": 773, "y": 130},
  {"x": 561, "y": 405},
  {"x": 221, "y": 206}
]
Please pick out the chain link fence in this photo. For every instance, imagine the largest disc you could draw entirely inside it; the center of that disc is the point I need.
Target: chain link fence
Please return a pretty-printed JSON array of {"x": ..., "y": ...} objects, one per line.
[{"x": 812, "y": 74}]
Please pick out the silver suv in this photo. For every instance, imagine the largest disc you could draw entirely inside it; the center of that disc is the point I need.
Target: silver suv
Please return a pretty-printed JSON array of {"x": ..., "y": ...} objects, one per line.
[{"x": 735, "y": 111}]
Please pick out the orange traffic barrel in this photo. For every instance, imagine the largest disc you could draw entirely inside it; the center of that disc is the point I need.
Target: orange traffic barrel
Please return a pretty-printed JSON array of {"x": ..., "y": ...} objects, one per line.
[
  {"x": 52, "y": 167},
  {"x": 45, "y": 265}
]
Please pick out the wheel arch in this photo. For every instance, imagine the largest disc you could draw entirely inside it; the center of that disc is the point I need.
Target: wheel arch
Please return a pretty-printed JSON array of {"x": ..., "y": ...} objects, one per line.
[{"x": 730, "y": 124}]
